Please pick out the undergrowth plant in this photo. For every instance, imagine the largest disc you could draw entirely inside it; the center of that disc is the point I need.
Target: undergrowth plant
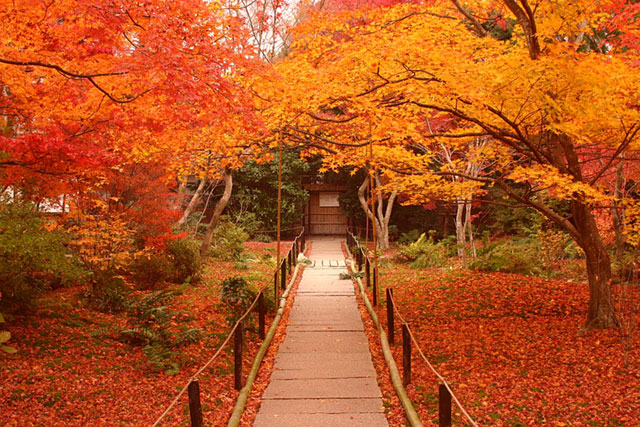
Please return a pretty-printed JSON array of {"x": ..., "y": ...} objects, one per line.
[
  {"x": 425, "y": 252},
  {"x": 33, "y": 256},
  {"x": 5, "y": 336},
  {"x": 150, "y": 326},
  {"x": 237, "y": 297},
  {"x": 228, "y": 241}
]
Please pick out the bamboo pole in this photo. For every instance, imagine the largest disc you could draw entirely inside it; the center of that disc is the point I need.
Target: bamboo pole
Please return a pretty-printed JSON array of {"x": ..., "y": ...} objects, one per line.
[
  {"x": 279, "y": 138},
  {"x": 396, "y": 380},
  {"x": 243, "y": 396}
]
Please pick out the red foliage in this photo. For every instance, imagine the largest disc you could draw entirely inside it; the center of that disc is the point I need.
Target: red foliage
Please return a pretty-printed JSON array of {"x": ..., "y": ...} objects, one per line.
[
  {"x": 623, "y": 24},
  {"x": 512, "y": 349},
  {"x": 67, "y": 372}
]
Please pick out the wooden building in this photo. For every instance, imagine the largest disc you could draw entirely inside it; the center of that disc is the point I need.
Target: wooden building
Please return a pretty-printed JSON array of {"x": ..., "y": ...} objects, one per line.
[{"x": 323, "y": 214}]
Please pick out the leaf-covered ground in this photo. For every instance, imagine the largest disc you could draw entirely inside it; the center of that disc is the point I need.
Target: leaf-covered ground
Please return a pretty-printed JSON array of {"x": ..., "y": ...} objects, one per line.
[
  {"x": 69, "y": 371},
  {"x": 513, "y": 349}
]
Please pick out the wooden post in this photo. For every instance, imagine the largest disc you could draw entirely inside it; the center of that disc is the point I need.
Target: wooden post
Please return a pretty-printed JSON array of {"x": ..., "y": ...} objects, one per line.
[
  {"x": 406, "y": 355},
  {"x": 295, "y": 252},
  {"x": 390, "y": 323},
  {"x": 292, "y": 251},
  {"x": 367, "y": 271},
  {"x": 375, "y": 294},
  {"x": 283, "y": 274},
  {"x": 275, "y": 287},
  {"x": 195, "y": 409},
  {"x": 237, "y": 356},
  {"x": 375, "y": 277},
  {"x": 261, "y": 315},
  {"x": 444, "y": 406}
]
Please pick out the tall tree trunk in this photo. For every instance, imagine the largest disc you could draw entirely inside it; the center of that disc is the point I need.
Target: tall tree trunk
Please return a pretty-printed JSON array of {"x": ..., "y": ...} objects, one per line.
[
  {"x": 217, "y": 212},
  {"x": 383, "y": 214},
  {"x": 195, "y": 199},
  {"x": 460, "y": 227},
  {"x": 467, "y": 222},
  {"x": 601, "y": 313}
]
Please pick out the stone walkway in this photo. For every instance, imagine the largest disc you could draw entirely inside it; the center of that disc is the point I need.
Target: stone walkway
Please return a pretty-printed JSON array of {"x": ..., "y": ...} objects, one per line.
[{"x": 323, "y": 373}]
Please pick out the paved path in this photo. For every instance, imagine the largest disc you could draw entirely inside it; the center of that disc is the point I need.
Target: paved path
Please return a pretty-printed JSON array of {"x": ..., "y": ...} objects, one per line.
[{"x": 323, "y": 373}]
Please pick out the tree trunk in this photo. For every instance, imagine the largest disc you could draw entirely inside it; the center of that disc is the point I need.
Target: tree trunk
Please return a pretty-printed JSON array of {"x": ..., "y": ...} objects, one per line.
[
  {"x": 383, "y": 214},
  {"x": 460, "y": 227},
  {"x": 195, "y": 199},
  {"x": 217, "y": 212},
  {"x": 467, "y": 222},
  {"x": 601, "y": 313}
]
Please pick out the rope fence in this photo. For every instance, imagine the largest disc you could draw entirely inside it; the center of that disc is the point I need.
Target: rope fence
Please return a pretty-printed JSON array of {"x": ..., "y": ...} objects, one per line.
[
  {"x": 362, "y": 259},
  {"x": 289, "y": 259}
]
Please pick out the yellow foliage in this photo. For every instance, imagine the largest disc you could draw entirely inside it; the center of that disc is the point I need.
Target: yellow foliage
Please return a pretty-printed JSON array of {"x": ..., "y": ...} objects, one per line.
[{"x": 104, "y": 243}]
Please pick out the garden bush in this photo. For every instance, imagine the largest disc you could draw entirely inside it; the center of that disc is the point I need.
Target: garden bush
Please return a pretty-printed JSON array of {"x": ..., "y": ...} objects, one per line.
[
  {"x": 5, "y": 336},
  {"x": 150, "y": 326},
  {"x": 424, "y": 252},
  {"x": 34, "y": 256},
  {"x": 228, "y": 241},
  {"x": 150, "y": 270},
  {"x": 409, "y": 237},
  {"x": 185, "y": 255},
  {"x": 108, "y": 294},
  {"x": 518, "y": 255},
  {"x": 236, "y": 297},
  {"x": 263, "y": 237}
]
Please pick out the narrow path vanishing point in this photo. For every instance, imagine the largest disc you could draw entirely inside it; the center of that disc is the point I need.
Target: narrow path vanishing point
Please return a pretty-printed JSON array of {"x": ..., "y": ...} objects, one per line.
[{"x": 323, "y": 373}]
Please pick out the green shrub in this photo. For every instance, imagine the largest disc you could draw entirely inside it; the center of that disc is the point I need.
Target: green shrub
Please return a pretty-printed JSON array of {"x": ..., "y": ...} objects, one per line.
[
  {"x": 248, "y": 221},
  {"x": 108, "y": 294},
  {"x": 393, "y": 232},
  {"x": 5, "y": 336},
  {"x": 237, "y": 296},
  {"x": 409, "y": 237},
  {"x": 149, "y": 326},
  {"x": 263, "y": 237},
  {"x": 149, "y": 270},
  {"x": 520, "y": 256},
  {"x": 241, "y": 265},
  {"x": 161, "y": 357},
  {"x": 185, "y": 255},
  {"x": 34, "y": 258},
  {"x": 425, "y": 253},
  {"x": 228, "y": 241}
]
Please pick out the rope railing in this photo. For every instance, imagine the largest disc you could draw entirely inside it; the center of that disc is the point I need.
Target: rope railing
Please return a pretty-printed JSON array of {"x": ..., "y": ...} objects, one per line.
[
  {"x": 297, "y": 246},
  {"x": 363, "y": 259},
  {"x": 434, "y": 370},
  {"x": 275, "y": 231}
]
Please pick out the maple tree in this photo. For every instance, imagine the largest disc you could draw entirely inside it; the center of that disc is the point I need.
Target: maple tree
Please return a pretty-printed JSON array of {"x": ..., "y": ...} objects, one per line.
[
  {"x": 105, "y": 104},
  {"x": 547, "y": 99}
]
